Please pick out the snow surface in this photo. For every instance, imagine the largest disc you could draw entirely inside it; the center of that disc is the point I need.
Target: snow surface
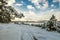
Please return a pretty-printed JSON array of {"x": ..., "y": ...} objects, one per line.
[{"x": 25, "y": 32}]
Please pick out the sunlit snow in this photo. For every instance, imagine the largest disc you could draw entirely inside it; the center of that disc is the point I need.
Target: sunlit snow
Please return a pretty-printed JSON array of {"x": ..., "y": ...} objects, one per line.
[{"x": 25, "y": 32}]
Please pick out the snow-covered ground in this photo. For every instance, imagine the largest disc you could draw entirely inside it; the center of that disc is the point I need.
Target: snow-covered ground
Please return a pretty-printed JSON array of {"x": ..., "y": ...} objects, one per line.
[{"x": 24, "y": 32}]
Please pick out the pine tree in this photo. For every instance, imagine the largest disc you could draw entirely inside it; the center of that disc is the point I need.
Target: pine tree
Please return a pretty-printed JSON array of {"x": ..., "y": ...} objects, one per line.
[
  {"x": 51, "y": 23},
  {"x": 52, "y": 18},
  {"x": 4, "y": 15},
  {"x": 6, "y": 12}
]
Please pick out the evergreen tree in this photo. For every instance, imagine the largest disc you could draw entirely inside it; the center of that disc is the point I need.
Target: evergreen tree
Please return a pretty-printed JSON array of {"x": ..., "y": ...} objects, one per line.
[
  {"x": 6, "y": 12},
  {"x": 4, "y": 15},
  {"x": 51, "y": 23},
  {"x": 53, "y": 17}
]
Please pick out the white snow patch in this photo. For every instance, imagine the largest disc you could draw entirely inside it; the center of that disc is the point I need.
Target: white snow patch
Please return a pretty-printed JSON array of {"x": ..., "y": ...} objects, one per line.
[{"x": 25, "y": 32}]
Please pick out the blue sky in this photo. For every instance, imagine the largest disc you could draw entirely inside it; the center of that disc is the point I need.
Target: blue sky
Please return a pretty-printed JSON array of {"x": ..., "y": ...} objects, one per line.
[
  {"x": 51, "y": 5},
  {"x": 35, "y": 9}
]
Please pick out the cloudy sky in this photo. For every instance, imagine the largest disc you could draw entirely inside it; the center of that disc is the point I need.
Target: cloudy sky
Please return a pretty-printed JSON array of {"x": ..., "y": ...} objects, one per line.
[{"x": 37, "y": 9}]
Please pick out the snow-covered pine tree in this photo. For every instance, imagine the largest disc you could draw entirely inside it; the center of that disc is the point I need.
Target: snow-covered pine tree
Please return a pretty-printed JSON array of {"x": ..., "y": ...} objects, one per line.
[
  {"x": 4, "y": 15},
  {"x": 52, "y": 23},
  {"x": 7, "y": 12}
]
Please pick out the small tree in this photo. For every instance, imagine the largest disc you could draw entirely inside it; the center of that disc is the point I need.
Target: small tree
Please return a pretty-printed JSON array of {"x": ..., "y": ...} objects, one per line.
[
  {"x": 53, "y": 17},
  {"x": 51, "y": 23}
]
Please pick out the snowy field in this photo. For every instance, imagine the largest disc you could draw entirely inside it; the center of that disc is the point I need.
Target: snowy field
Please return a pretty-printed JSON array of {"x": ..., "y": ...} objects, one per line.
[{"x": 24, "y": 32}]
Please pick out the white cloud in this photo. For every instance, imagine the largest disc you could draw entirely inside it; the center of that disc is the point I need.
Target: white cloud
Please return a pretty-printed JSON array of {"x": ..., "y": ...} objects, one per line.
[
  {"x": 52, "y": 5},
  {"x": 32, "y": 13},
  {"x": 18, "y": 4},
  {"x": 45, "y": 6},
  {"x": 30, "y": 7},
  {"x": 37, "y": 1},
  {"x": 47, "y": 14},
  {"x": 38, "y": 6},
  {"x": 10, "y": 2},
  {"x": 57, "y": 14},
  {"x": 34, "y": 1},
  {"x": 56, "y": 0},
  {"x": 32, "y": 16}
]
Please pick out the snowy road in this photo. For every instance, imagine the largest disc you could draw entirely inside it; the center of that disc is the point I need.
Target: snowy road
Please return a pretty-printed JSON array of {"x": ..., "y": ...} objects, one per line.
[{"x": 25, "y": 32}]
